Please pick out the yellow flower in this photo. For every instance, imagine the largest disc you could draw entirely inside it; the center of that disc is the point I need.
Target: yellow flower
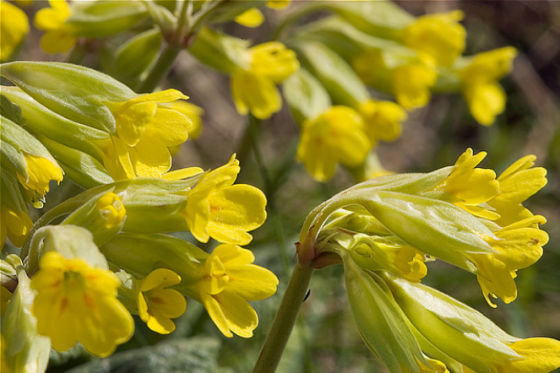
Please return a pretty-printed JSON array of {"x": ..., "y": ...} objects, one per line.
[
  {"x": 469, "y": 186},
  {"x": 77, "y": 302},
  {"x": 517, "y": 183},
  {"x": 540, "y": 355},
  {"x": 216, "y": 208},
  {"x": 191, "y": 111},
  {"x": 15, "y": 225},
  {"x": 382, "y": 120},
  {"x": 157, "y": 305},
  {"x": 481, "y": 90},
  {"x": 277, "y": 4},
  {"x": 229, "y": 280},
  {"x": 144, "y": 116},
  {"x": 255, "y": 89},
  {"x": 335, "y": 136},
  {"x": 112, "y": 209},
  {"x": 518, "y": 246},
  {"x": 40, "y": 171},
  {"x": 13, "y": 29},
  {"x": 408, "y": 80},
  {"x": 437, "y": 38},
  {"x": 250, "y": 18},
  {"x": 411, "y": 85},
  {"x": 58, "y": 37}
]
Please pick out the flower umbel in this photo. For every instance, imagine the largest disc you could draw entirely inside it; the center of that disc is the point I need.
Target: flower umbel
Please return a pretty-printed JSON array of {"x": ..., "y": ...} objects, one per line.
[
  {"x": 77, "y": 302},
  {"x": 157, "y": 304}
]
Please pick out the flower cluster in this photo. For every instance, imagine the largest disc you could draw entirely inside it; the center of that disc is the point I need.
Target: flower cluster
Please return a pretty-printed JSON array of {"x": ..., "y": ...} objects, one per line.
[{"x": 385, "y": 230}]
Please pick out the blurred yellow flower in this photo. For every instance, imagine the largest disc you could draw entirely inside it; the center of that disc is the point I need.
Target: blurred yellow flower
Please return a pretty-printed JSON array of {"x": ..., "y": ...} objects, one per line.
[
  {"x": 58, "y": 37},
  {"x": 14, "y": 26},
  {"x": 77, "y": 302},
  {"x": 335, "y": 136},
  {"x": 157, "y": 304},
  {"x": 255, "y": 89},
  {"x": 250, "y": 18},
  {"x": 229, "y": 280},
  {"x": 382, "y": 120},
  {"x": 15, "y": 225},
  {"x": 438, "y": 38},
  {"x": 482, "y": 92},
  {"x": 216, "y": 208}
]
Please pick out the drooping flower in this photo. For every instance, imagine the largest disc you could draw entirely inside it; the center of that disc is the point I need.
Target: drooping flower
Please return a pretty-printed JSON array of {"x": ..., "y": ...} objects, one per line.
[
  {"x": 15, "y": 225},
  {"x": 58, "y": 37},
  {"x": 228, "y": 281},
  {"x": 438, "y": 38},
  {"x": 382, "y": 120},
  {"x": 77, "y": 302},
  {"x": 335, "y": 136},
  {"x": 254, "y": 89},
  {"x": 409, "y": 80},
  {"x": 254, "y": 17},
  {"x": 14, "y": 27},
  {"x": 482, "y": 92},
  {"x": 216, "y": 208},
  {"x": 157, "y": 304},
  {"x": 40, "y": 171}
]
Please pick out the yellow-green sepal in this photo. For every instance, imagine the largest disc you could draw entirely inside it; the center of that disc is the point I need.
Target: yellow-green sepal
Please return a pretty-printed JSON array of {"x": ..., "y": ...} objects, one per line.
[
  {"x": 75, "y": 92},
  {"x": 97, "y": 19},
  {"x": 220, "y": 51},
  {"x": 135, "y": 56},
  {"x": 26, "y": 350}
]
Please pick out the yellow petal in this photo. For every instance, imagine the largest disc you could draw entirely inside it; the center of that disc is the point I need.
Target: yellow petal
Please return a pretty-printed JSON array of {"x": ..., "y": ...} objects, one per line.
[
  {"x": 161, "y": 277},
  {"x": 168, "y": 126},
  {"x": 150, "y": 158},
  {"x": 250, "y": 18},
  {"x": 485, "y": 101},
  {"x": 540, "y": 355},
  {"x": 255, "y": 93},
  {"x": 235, "y": 210}
]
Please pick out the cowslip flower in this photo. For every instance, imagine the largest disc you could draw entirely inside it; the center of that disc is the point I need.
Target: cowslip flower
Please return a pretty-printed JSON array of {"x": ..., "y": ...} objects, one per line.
[
  {"x": 409, "y": 81},
  {"x": 111, "y": 209},
  {"x": 438, "y": 38},
  {"x": 335, "y": 136},
  {"x": 15, "y": 225},
  {"x": 254, "y": 89},
  {"x": 58, "y": 37},
  {"x": 382, "y": 120},
  {"x": 77, "y": 302},
  {"x": 157, "y": 304},
  {"x": 228, "y": 281},
  {"x": 216, "y": 208},
  {"x": 14, "y": 26},
  {"x": 40, "y": 171},
  {"x": 479, "y": 77}
]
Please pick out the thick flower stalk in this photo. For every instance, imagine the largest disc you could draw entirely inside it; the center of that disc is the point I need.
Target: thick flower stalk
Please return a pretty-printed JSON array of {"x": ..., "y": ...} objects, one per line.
[{"x": 77, "y": 302}]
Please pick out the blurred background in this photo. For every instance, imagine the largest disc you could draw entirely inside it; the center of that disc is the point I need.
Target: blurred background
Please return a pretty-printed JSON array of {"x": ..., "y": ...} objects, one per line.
[{"x": 326, "y": 339}]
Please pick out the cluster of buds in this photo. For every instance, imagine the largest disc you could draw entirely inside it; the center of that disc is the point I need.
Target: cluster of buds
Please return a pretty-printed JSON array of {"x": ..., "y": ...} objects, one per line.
[
  {"x": 91, "y": 262},
  {"x": 385, "y": 230}
]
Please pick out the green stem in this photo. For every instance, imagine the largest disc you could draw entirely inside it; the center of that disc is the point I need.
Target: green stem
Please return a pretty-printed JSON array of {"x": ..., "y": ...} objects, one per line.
[
  {"x": 290, "y": 19},
  {"x": 77, "y": 53},
  {"x": 183, "y": 24},
  {"x": 284, "y": 321},
  {"x": 161, "y": 68}
]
